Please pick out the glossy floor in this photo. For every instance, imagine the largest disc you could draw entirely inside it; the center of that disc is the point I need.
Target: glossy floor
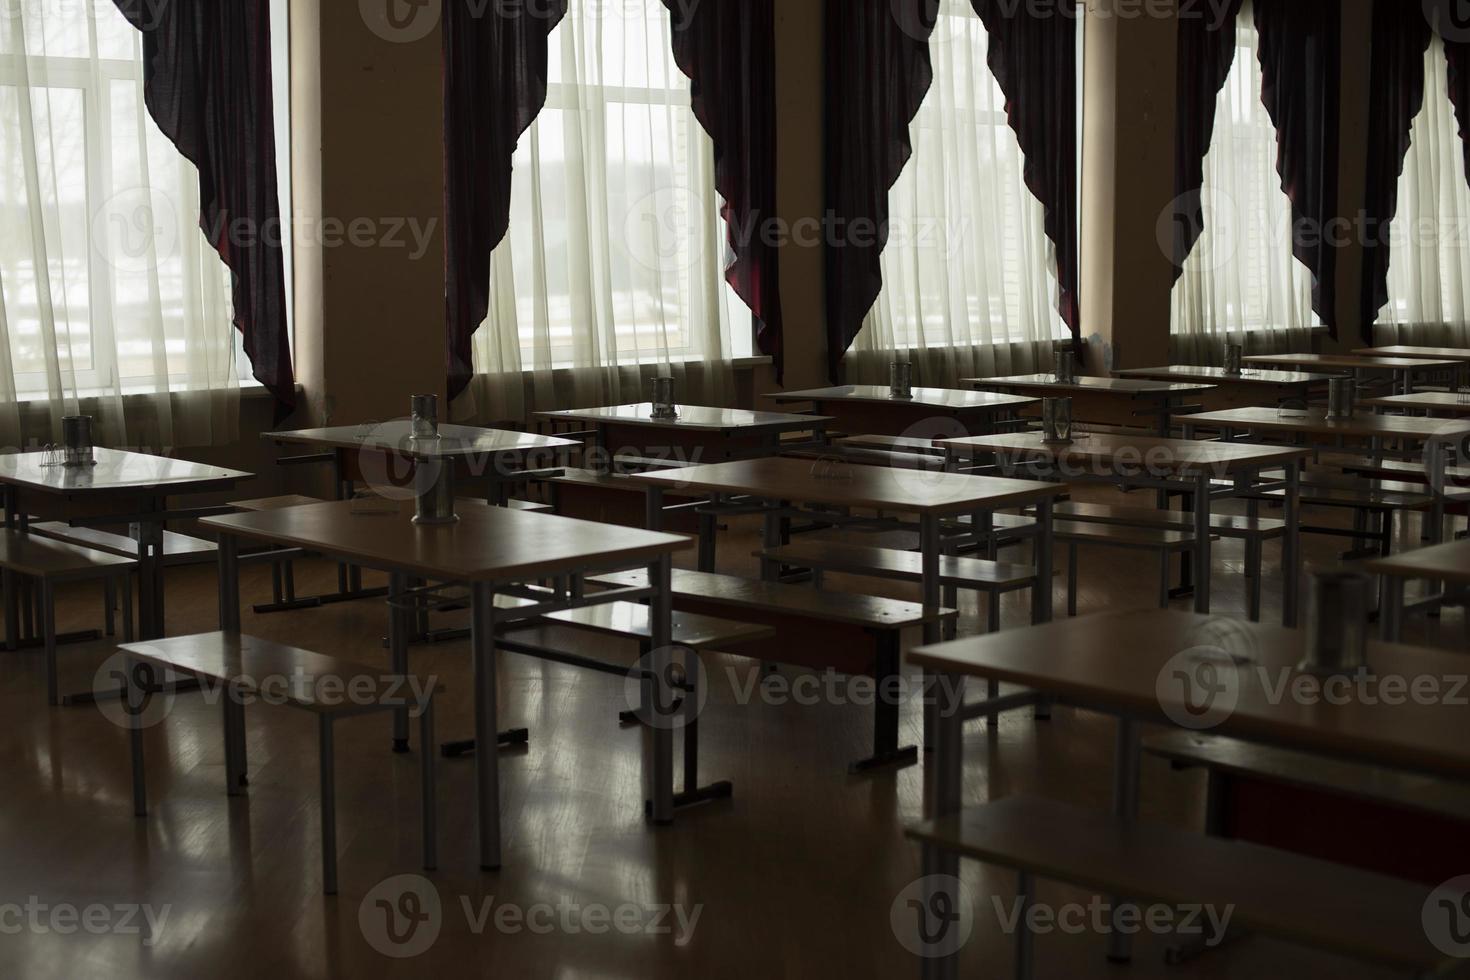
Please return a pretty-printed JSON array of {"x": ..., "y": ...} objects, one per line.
[{"x": 797, "y": 876}]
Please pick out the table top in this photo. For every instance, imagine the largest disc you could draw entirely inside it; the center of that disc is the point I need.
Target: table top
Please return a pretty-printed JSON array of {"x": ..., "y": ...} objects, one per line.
[
  {"x": 693, "y": 418},
  {"x": 487, "y": 544},
  {"x": 838, "y": 483},
  {"x": 1349, "y": 361},
  {"x": 1449, "y": 562},
  {"x": 1127, "y": 450},
  {"x": 1315, "y": 421},
  {"x": 1432, "y": 401},
  {"x": 1234, "y": 677},
  {"x": 1128, "y": 387},
  {"x": 116, "y": 472},
  {"x": 1426, "y": 353},
  {"x": 952, "y": 399},
  {"x": 397, "y": 437},
  {"x": 1218, "y": 375}
]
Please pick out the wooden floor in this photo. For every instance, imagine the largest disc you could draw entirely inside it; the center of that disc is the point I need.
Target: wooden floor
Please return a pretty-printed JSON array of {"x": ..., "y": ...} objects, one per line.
[{"x": 795, "y": 877}]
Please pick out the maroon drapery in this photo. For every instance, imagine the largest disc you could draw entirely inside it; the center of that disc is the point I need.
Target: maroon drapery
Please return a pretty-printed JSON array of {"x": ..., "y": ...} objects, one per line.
[
  {"x": 878, "y": 71},
  {"x": 1033, "y": 55},
  {"x": 495, "y": 67},
  {"x": 1301, "y": 59},
  {"x": 1457, "y": 53},
  {"x": 207, "y": 84},
  {"x": 1206, "y": 52},
  {"x": 1395, "y": 96},
  {"x": 727, "y": 48}
]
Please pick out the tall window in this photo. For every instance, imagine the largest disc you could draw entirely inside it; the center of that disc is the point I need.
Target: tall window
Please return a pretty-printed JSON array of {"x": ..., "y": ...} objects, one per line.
[
  {"x": 107, "y": 287},
  {"x": 615, "y": 258},
  {"x": 1241, "y": 276},
  {"x": 1429, "y": 256},
  {"x": 969, "y": 276}
]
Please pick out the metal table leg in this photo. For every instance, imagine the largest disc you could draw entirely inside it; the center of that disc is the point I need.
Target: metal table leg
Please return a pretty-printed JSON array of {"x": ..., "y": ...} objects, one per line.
[
  {"x": 1391, "y": 611},
  {"x": 487, "y": 763},
  {"x": 945, "y": 693},
  {"x": 658, "y": 739},
  {"x": 398, "y": 652},
  {"x": 1202, "y": 542},
  {"x": 1125, "y": 808},
  {"x": 1291, "y": 546}
]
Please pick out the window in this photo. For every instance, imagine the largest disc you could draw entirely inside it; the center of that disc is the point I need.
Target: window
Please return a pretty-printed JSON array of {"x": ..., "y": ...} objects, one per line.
[
  {"x": 1241, "y": 275},
  {"x": 107, "y": 283},
  {"x": 968, "y": 263},
  {"x": 1429, "y": 240},
  {"x": 616, "y": 251}
]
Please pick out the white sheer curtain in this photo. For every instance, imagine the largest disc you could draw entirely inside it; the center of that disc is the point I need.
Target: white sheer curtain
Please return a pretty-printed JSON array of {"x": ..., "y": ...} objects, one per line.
[
  {"x": 969, "y": 276},
  {"x": 1241, "y": 282},
  {"x": 612, "y": 272},
  {"x": 109, "y": 293},
  {"x": 1429, "y": 257}
]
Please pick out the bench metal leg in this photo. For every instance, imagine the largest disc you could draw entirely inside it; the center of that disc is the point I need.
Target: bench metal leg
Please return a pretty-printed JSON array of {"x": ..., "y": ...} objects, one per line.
[
  {"x": 1071, "y": 578},
  {"x": 1025, "y": 941},
  {"x": 487, "y": 763},
  {"x": 109, "y": 607},
  {"x": 1125, "y": 808},
  {"x": 398, "y": 652},
  {"x": 47, "y": 596},
  {"x": 9, "y": 582},
  {"x": 428, "y": 777},
  {"x": 886, "y": 750},
  {"x": 1391, "y": 616},
  {"x": 137, "y": 697},
  {"x": 693, "y": 793},
  {"x": 328, "y": 805},
  {"x": 1253, "y": 574},
  {"x": 235, "y": 759},
  {"x": 1166, "y": 566}
]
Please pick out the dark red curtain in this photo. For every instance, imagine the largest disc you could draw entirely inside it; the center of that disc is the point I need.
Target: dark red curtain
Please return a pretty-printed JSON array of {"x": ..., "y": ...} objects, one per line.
[
  {"x": 727, "y": 48},
  {"x": 207, "y": 84},
  {"x": 1301, "y": 61},
  {"x": 1033, "y": 55},
  {"x": 1457, "y": 52},
  {"x": 1395, "y": 96},
  {"x": 1206, "y": 52},
  {"x": 878, "y": 71},
  {"x": 495, "y": 65}
]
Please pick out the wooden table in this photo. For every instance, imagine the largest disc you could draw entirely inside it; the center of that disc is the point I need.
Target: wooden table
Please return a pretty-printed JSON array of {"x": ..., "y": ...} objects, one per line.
[
  {"x": 1429, "y": 402},
  {"x": 123, "y": 489},
  {"x": 492, "y": 550},
  {"x": 387, "y": 457},
  {"x": 698, "y": 435},
  {"x": 1161, "y": 666},
  {"x": 1403, "y": 368},
  {"x": 929, "y": 414},
  {"x": 1281, "y": 385},
  {"x": 1159, "y": 397},
  {"x": 782, "y": 483},
  {"x": 1425, "y": 354},
  {"x": 1166, "y": 464},
  {"x": 1447, "y": 563}
]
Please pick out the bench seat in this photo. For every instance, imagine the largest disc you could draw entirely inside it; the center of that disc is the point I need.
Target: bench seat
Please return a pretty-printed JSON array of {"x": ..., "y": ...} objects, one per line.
[
  {"x": 904, "y": 566},
  {"x": 1223, "y": 525},
  {"x": 1328, "y": 906},
  {"x": 630, "y": 619},
  {"x": 178, "y": 549},
  {"x": 328, "y": 687},
  {"x": 275, "y": 503}
]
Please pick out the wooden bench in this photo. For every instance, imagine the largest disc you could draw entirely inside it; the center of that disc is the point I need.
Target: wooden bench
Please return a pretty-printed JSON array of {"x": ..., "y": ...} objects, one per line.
[
  {"x": 1356, "y": 913},
  {"x": 1276, "y": 797},
  {"x": 1251, "y": 529},
  {"x": 531, "y": 506},
  {"x": 852, "y": 634},
  {"x": 1166, "y": 542},
  {"x": 610, "y": 498},
  {"x": 979, "y": 574},
  {"x": 49, "y": 563},
  {"x": 1370, "y": 501},
  {"x": 243, "y": 667}
]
